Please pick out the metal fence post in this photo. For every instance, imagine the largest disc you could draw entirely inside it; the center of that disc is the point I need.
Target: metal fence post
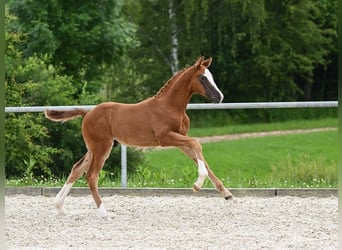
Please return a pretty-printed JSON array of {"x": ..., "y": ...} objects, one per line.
[{"x": 123, "y": 166}]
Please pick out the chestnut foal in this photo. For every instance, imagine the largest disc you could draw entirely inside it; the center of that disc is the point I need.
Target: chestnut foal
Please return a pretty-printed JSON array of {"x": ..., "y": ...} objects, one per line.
[{"x": 157, "y": 121}]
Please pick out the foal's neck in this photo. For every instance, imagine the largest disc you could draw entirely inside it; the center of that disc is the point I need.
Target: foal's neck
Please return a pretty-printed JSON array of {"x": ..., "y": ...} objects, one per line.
[{"x": 177, "y": 92}]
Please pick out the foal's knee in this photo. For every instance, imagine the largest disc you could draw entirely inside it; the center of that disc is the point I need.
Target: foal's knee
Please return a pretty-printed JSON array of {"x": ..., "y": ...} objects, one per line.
[{"x": 196, "y": 146}]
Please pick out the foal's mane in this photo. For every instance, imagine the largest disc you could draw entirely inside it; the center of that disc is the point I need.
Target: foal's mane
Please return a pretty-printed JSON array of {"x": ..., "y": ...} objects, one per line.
[{"x": 172, "y": 80}]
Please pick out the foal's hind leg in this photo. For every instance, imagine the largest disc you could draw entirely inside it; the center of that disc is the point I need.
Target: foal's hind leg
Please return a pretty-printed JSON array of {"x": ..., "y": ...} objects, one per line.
[{"x": 77, "y": 171}]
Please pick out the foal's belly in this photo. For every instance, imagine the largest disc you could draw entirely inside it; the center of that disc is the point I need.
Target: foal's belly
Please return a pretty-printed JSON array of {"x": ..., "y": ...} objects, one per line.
[{"x": 138, "y": 139}]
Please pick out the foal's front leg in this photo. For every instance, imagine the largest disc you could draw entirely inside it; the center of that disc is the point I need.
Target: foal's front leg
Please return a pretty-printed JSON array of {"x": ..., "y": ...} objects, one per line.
[
  {"x": 218, "y": 184},
  {"x": 193, "y": 149},
  {"x": 202, "y": 170}
]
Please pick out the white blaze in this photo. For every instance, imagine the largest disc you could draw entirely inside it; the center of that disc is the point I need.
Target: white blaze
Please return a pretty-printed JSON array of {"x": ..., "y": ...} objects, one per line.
[{"x": 210, "y": 78}]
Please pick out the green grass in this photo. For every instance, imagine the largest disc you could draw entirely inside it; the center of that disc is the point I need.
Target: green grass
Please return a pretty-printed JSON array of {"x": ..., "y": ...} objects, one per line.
[
  {"x": 263, "y": 127},
  {"x": 298, "y": 160}
]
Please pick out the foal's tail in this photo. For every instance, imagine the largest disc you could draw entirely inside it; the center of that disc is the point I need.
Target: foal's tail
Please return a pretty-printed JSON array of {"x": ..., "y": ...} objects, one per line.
[{"x": 62, "y": 116}]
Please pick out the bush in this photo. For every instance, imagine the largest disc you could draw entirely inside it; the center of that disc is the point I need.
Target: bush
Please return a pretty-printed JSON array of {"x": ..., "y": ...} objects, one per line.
[{"x": 26, "y": 154}]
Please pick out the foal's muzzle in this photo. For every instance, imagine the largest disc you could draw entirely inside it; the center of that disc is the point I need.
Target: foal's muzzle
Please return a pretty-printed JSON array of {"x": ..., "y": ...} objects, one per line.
[{"x": 211, "y": 91}]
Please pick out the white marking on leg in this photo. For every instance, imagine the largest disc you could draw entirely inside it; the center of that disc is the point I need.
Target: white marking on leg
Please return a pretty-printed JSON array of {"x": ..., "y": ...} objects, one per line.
[
  {"x": 60, "y": 197},
  {"x": 101, "y": 211},
  {"x": 202, "y": 173},
  {"x": 202, "y": 170}
]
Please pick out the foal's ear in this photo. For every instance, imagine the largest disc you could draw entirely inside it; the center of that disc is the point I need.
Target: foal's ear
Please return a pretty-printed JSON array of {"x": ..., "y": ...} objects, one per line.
[
  {"x": 207, "y": 62},
  {"x": 199, "y": 61}
]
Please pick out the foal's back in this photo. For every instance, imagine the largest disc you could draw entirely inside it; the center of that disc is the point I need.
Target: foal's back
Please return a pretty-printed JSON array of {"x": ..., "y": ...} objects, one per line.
[{"x": 130, "y": 124}]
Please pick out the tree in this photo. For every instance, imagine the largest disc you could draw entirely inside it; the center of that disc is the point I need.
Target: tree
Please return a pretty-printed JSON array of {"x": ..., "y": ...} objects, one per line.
[
  {"x": 63, "y": 53},
  {"x": 325, "y": 84},
  {"x": 263, "y": 50},
  {"x": 156, "y": 59},
  {"x": 84, "y": 37},
  {"x": 33, "y": 144}
]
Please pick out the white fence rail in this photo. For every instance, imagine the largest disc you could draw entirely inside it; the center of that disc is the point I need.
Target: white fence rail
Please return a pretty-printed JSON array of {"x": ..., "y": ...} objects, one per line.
[
  {"x": 243, "y": 105},
  {"x": 248, "y": 105}
]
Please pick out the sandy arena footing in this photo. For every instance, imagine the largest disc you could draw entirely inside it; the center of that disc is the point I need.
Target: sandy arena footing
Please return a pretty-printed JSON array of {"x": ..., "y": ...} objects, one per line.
[{"x": 173, "y": 222}]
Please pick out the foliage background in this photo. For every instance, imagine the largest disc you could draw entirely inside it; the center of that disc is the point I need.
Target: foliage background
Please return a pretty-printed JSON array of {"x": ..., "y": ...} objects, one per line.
[{"x": 84, "y": 52}]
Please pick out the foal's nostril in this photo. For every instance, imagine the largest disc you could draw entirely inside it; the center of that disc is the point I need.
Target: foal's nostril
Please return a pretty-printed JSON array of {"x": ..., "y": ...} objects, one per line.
[
  {"x": 217, "y": 98},
  {"x": 214, "y": 97}
]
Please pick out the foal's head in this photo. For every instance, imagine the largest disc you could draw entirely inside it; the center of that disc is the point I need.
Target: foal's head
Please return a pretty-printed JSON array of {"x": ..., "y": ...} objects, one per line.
[{"x": 203, "y": 82}]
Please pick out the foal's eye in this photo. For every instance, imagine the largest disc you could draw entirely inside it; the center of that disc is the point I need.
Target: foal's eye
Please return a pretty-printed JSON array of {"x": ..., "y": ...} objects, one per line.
[{"x": 201, "y": 77}]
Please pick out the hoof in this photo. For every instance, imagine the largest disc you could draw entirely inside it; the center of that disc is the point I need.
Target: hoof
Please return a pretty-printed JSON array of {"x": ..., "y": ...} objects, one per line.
[
  {"x": 195, "y": 188},
  {"x": 101, "y": 212},
  {"x": 101, "y": 215},
  {"x": 60, "y": 211},
  {"x": 229, "y": 197},
  {"x": 59, "y": 208}
]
